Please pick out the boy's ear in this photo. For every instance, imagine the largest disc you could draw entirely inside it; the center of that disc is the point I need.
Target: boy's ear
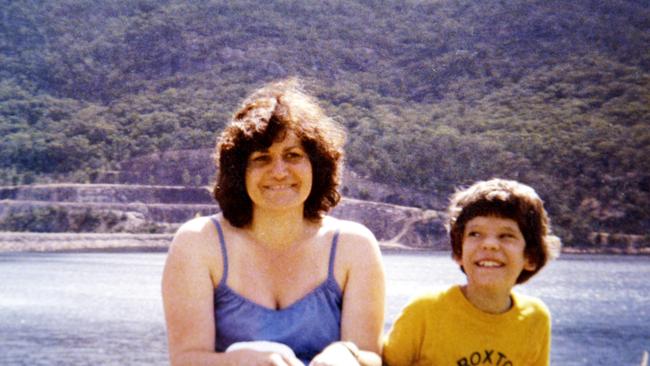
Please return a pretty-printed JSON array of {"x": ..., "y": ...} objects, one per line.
[
  {"x": 458, "y": 259},
  {"x": 529, "y": 264}
]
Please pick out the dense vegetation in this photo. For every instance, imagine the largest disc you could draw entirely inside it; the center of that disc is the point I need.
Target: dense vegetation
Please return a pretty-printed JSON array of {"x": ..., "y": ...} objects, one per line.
[{"x": 435, "y": 94}]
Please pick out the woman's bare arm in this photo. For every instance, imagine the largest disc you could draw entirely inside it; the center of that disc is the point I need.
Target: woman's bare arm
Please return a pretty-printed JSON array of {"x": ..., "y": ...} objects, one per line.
[{"x": 362, "y": 317}]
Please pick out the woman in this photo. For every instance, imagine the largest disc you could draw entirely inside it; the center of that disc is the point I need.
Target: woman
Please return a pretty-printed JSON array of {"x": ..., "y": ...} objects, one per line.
[{"x": 272, "y": 266}]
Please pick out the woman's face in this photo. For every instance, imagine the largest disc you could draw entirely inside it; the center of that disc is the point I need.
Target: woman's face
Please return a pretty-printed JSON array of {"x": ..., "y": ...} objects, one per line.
[{"x": 280, "y": 177}]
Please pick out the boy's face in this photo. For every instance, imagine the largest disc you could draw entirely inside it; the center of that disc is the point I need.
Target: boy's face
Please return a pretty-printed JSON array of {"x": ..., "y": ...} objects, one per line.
[{"x": 493, "y": 253}]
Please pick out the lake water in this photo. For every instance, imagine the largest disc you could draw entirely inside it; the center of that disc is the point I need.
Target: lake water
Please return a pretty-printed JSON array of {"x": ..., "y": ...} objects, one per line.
[{"x": 105, "y": 308}]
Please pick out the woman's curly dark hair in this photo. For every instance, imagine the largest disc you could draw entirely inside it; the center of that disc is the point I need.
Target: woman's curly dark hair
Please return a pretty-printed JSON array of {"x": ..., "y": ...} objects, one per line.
[
  {"x": 508, "y": 199},
  {"x": 264, "y": 118}
]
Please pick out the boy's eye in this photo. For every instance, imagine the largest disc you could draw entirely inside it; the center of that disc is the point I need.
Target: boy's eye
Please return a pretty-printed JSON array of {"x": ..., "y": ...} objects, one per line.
[{"x": 473, "y": 234}]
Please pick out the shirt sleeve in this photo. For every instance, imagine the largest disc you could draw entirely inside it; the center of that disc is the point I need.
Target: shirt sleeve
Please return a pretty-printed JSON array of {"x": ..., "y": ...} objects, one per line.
[
  {"x": 543, "y": 357},
  {"x": 403, "y": 341}
]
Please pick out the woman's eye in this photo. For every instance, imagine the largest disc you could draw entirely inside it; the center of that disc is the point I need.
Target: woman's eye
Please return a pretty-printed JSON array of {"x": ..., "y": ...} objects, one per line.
[
  {"x": 260, "y": 158},
  {"x": 293, "y": 156}
]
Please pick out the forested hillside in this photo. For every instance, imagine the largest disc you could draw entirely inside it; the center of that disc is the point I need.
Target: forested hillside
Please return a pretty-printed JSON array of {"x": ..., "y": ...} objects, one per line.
[{"x": 434, "y": 94}]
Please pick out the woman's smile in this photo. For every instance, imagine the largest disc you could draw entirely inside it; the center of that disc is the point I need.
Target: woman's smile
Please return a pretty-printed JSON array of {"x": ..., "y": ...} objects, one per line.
[
  {"x": 279, "y": 187},
  {"x": 279, "y": 177}
]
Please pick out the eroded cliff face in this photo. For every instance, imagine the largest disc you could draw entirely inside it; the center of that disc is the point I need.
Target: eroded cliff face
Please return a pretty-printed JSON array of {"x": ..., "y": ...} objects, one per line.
[
  {"x": 395, "y": 225},
  {"x": 120, "y": 208},
  {"x": 197, "y": 168},
  {"x": 145, "y": 211}
]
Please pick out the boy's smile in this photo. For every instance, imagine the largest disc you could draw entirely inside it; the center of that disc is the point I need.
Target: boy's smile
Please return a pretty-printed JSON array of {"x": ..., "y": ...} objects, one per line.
[
  {"x": 489, "y": 263},
  {"x": 493, "y": 254}
]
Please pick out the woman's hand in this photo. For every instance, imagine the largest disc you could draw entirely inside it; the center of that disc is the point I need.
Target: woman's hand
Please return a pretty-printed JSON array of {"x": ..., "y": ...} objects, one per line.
[
  {"x": 257, "y": 358},
  {"x": 336, "y": 354}
]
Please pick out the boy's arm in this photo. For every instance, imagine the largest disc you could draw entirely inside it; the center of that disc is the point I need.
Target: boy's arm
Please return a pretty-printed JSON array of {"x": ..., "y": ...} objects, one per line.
[{"x": 403, "y": 341}]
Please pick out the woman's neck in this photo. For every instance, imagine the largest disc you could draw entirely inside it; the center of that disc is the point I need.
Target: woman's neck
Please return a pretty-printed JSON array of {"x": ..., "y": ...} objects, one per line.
[{"x": 278, "y": 230}]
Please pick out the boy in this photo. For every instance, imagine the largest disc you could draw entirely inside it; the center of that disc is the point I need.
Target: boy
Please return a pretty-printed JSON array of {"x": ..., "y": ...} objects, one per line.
[{"x": 500, "y": 236}]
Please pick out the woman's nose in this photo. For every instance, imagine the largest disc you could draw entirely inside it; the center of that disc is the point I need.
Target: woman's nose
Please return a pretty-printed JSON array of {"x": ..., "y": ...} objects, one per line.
[{"x": 279, "y": 168}]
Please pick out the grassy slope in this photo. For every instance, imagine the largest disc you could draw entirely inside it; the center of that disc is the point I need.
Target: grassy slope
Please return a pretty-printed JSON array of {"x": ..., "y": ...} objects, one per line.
[{"x": 435, "y": 94}]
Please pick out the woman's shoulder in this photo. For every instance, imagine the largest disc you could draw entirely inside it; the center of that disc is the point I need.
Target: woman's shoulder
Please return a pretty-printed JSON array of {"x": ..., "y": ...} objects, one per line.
[
  {"x": 196, "y": 226},
  {"x": 197, "y": 234},
  {"x": 351, "y": 233},
  {"x": 196, "y": 245},
  {"x": 348, "y": 228}
]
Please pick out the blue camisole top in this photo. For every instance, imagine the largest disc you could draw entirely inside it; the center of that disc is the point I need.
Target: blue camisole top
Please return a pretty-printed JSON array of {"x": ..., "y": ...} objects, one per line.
[{"x": 307, "y": 326}]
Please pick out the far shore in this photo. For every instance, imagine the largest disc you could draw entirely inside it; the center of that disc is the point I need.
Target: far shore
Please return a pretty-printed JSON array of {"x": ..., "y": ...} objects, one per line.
[
  {"x": 113, "y": 242},
  {"x": 59, "y": 242},
  {"x": 127, "y": 242}
]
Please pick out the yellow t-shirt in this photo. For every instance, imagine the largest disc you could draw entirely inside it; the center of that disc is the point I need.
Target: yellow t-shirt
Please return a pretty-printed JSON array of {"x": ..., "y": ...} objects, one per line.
[{"x": 445, "y": 329}]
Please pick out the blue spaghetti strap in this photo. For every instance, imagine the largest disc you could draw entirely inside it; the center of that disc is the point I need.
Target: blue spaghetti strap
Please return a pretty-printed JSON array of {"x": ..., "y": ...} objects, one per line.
[
  {"x": 335, "y": 241},
  {"x": 224, "y": 254}
]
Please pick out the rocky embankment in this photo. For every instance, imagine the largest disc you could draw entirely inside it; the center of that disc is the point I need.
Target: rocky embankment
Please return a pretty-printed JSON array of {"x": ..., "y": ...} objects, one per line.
[
  {"x": 45, "y": 217},
  {"x": 94, "y": 216}
]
